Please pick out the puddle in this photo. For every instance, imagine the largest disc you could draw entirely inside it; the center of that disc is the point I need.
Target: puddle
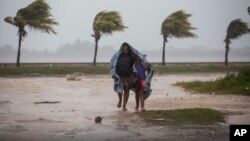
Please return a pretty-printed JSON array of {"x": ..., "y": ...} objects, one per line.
[{"x": 47, "y": 102}]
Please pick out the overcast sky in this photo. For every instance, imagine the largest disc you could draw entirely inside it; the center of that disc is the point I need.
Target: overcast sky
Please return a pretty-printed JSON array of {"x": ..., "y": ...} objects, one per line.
[{"x": 143, "y": 17}]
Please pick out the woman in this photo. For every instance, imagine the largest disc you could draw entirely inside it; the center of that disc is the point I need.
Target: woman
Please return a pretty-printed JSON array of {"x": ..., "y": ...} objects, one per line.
[{"x": 122, "y": 72}]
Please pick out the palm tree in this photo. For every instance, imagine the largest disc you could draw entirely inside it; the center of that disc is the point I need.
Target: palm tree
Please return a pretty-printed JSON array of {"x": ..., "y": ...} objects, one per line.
[
  {"x": 235, "y": 29},
  {"x": 105, "y": 23},
  {"x": 176, "y": 25},
  {"x": 248, "y": 9},
  {"x": 36, "y": 16}
]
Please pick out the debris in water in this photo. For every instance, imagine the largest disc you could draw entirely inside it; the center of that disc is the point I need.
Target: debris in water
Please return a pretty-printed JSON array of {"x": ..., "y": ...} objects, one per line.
[{"x": 73, "y": 77}]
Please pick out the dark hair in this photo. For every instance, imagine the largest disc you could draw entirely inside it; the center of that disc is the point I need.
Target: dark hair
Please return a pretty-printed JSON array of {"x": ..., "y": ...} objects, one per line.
[{"x": 125, "y": 44}]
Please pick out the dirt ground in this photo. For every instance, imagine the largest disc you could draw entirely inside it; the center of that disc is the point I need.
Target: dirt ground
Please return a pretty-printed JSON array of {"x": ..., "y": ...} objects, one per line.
[{"x": 52, "y": 108}]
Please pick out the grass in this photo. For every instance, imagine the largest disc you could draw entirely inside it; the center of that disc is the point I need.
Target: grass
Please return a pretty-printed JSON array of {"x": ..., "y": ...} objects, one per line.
[
  {"x": 54, "y": 70},
  {"x": 193, "y": 116},
  {"x": 105, "y": 69},
  {"x": 233, "y": 83},
  {"x": 177, "y": 69}
]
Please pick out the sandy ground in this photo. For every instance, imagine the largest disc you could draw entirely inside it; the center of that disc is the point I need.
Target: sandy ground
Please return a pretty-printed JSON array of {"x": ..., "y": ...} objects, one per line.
[{"x": 77, "y": 103}]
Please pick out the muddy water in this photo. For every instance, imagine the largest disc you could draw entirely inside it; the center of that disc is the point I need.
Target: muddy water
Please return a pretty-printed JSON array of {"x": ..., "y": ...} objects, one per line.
[{"x": 52, "y": 108}]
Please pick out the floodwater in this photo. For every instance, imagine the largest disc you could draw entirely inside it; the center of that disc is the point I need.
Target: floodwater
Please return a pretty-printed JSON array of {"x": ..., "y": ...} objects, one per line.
[{"x": 52, "y": 108}]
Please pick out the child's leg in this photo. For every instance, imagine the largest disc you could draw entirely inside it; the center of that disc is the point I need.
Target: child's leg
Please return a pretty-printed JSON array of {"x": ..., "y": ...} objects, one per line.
[
  {"x": 137, "y": 101},
  {"x": 142, "y": 99}
]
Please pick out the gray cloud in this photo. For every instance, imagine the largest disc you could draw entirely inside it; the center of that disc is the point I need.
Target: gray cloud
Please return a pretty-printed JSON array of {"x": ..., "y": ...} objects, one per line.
[{"x": 143, "y": 17}]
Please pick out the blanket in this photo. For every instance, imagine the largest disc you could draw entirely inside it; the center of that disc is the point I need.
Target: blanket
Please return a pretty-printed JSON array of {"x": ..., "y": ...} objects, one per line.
[{"x": 118, "y": 87}]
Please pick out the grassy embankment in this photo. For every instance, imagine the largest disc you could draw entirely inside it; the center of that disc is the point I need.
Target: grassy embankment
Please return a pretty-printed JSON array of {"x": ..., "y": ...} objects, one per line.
[{"x": 232, "y": 83}]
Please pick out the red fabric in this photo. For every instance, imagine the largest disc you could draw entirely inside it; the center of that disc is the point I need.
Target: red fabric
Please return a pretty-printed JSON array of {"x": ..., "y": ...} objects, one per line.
[{"x": 143, "y": 83}]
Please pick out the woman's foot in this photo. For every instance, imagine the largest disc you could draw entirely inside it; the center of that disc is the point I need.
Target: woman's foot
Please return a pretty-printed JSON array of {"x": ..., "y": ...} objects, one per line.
[
  {"x": 119, "y": 104},
  {"x": 124, "y": 109}
]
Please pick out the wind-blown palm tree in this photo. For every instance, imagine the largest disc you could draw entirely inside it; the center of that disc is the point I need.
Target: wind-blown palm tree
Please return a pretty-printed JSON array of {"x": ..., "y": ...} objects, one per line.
[
  {"x": 235, "y": 29},
  {"x": 36, "y": 16},
  {"x": 105, "y": 23},
  {"x": 248, "y": 9},
  {"x": 176, "y": 25}
]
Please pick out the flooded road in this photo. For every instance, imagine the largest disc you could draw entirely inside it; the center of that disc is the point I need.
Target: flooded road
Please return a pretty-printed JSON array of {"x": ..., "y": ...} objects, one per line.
[{"x": 52, "y": 108}]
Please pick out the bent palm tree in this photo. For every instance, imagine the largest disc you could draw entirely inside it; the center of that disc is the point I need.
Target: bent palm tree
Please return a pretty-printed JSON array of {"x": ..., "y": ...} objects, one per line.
[
  {"x": 105, "y": 23},
  {"x": 235, "y": 29},
  {"x": 36, "y": 16},
  {"x": 176, "y": 25},
  {"x": 248, "y": 9}
]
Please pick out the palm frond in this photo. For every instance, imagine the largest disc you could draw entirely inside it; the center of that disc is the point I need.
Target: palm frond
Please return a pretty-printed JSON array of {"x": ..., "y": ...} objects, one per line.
[
  {"x": 107, "y": 22},
  {"x": 236, "y": 29},
  {"x": 9, "y": 20},
  {"x": 37, "y": 16},
  {"x": 97, "y": 19},
  {"x": 177, "y": 25}
]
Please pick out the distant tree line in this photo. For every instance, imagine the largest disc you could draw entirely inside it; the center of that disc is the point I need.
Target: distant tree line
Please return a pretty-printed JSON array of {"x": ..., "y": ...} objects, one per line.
[{"x": 37, "y": 16}]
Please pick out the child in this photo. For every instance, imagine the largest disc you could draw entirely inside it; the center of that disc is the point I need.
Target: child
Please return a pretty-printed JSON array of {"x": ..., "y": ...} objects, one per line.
[{"x": 140, "y": 82}]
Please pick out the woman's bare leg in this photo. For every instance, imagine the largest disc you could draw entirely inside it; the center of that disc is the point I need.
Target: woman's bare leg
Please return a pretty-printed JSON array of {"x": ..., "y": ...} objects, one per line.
[
  {"x": 125, "y": 99},
  {"x": 120, "y": 100},
  {"x": 126, "y": 94}
]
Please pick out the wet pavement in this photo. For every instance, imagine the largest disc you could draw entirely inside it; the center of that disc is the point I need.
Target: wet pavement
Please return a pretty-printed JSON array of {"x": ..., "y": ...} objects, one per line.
[{"x": 52, "y": 108}]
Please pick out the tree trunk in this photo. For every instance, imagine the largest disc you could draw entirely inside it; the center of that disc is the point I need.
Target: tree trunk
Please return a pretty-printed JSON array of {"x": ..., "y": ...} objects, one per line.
[
  {"x": 19, "y": 50},
  {"x": 96, "y": 46},
  {"x": 163, "y": 51},
  {"x": 226, "y": 54}
]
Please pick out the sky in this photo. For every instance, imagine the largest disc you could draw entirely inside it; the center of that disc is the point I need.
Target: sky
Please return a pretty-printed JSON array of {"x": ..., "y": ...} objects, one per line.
[{"x": 142, "y": 17}]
